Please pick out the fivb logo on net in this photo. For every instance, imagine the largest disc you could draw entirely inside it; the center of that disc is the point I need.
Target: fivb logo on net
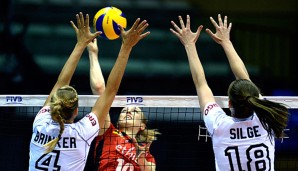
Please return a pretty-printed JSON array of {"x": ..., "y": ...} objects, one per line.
[
  {"x": 134, "y": 100},
  {"x": 14, "y": 100}
]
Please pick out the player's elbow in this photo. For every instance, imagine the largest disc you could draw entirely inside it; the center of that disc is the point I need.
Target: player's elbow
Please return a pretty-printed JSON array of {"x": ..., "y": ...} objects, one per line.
[{"x": 98, "y": 89}]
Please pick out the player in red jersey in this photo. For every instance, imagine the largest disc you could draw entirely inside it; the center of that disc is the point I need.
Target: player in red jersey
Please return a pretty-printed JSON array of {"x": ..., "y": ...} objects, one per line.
[{"x": 125, "y": 148}]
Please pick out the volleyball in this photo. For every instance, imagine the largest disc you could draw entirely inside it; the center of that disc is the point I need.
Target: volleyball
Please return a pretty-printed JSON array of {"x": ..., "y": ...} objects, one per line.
[{"x": 107, "y": 20}]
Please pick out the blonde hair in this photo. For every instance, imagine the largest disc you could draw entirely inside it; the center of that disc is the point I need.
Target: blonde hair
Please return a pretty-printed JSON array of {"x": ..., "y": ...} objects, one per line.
[
  {"x": 63, "y": 103},
  {"x": 146, "y": 135}
]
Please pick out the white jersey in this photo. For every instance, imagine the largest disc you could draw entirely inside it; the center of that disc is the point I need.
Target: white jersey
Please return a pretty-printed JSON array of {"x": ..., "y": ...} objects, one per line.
[
  {"x": 72, "y": 149},
  {"x": 238, "y": 144}
]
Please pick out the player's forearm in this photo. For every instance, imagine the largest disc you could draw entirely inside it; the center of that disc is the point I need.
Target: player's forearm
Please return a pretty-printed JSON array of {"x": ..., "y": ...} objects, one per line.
[
  {"x": 195, "y": 65},
  {"x": 236, "y": 63},
  {"x": 117, "y": 72},
  {"x": 97, "y": 81},
  {"x": 102, "y": 105},
  {"x": 70, "y": 65},
  {"x": 204, "y": 93}
]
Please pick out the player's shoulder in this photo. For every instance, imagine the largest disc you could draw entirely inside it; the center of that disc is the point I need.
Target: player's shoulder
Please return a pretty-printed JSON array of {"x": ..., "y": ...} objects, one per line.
[
  {"x": 44, "y": 109},
  {"x": 212, "y": 108},
  {"x": 43, "y": 113}
]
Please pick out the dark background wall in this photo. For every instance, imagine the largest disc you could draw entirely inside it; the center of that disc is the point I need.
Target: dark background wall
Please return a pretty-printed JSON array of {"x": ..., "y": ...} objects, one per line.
[{"x": 36, "y": 39}]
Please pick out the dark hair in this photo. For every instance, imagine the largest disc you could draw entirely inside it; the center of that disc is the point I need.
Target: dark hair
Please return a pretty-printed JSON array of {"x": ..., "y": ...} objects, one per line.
[
  {"x": 63, "y": 103},
  {"x": 244, "y": 97}
]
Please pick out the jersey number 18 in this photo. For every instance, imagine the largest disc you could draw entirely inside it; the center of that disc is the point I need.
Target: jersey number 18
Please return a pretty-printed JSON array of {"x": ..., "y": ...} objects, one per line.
[{"x": 257, "y": 157}]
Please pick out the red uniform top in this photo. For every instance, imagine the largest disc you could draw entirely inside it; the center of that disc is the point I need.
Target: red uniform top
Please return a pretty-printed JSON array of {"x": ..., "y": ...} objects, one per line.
[{"x": 114, "y": 151}]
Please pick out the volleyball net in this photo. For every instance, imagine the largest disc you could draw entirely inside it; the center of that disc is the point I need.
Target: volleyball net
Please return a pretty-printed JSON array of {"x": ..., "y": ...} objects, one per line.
[{"x": 183, "y": 145}]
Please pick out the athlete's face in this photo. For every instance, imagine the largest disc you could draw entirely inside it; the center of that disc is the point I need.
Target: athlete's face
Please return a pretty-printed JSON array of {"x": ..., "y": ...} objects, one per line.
[{"x": 130, "y": 117}]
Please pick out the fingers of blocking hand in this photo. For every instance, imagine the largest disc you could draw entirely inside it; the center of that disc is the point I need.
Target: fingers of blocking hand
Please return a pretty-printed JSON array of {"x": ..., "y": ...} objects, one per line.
[
  {"x": 81, "y": 18},
  {"x": 135, "y": 24},
  {"x": 78, "y": 21},
  {"x": 142, "y": 26},
  {"x": 175, "y": 26},
  {"x": 226, "y": 22},
  {"x": 187, "y": 21},
  {"x": 214, "y": 23},
  {"x": 87, "y": 21},
  {"x": 220, "y": 20},
  {"x": 181, "y": 22}
]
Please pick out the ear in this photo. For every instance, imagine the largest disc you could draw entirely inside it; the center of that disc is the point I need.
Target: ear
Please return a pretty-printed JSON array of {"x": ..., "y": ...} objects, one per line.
[
  {"x": 143, "y": 126},
  {"x": 230, "y": 104},
  {"x": 76, "y": 112}
]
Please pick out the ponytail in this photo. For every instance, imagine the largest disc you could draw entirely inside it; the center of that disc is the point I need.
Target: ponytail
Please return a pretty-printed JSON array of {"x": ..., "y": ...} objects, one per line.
[
  {"x": 244, "y": 97},
  {"x": 147, "y": 135},
  {"x": 273, "y": 116}
]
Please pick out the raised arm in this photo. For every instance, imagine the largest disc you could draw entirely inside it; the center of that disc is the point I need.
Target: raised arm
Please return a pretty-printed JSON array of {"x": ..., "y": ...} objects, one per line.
[
  {"x": 84, "y": 36},
  {"x": 222, "y": 37},
  {"x": 129, "y": 39},
  {"x": 189, "y": 39},
  {"x": 97, "y": 82}
]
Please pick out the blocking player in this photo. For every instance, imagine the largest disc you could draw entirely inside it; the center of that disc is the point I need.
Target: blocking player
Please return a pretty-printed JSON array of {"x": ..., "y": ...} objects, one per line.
[
  {"x": 126, "y": 147},
  {"x": 244, "y": 140},
  {"x": 57, "y": 142}
]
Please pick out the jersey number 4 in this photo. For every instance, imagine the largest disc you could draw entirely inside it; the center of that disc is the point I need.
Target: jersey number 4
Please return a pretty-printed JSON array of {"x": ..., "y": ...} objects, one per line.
[
  {"x": 48, "y": 161},
  {"x": 257, "y": 158}
]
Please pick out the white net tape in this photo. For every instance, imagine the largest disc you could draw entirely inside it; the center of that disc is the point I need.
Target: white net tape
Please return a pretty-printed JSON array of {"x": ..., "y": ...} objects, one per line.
[{"x": 142, "y": 101}]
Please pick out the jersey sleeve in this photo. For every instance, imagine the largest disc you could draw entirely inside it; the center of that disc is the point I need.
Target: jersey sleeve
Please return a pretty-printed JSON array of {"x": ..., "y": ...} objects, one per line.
[
  {"x": 213, "y": 115},
  {"x": 88, "y": 127},
  {"x": 42, "y": 116}
]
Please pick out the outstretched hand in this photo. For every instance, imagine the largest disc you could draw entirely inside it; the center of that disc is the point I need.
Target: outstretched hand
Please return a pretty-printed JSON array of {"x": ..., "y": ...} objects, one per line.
[
  {"x": 184, "y": 33},
  {"x": 84, "y": 36},
  {"x": 222, "y": 30},
  {"x": 132, "y": 36}
]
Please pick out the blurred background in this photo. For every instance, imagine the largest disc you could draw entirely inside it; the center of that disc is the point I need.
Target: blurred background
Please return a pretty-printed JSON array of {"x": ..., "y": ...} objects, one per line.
[{"x": 36, "y": 38}]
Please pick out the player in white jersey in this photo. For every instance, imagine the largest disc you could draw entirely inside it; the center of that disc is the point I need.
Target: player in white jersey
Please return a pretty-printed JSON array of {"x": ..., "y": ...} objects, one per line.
[
  {"x": 57, "y": 142},
  {"x": 239, "y": 143},
  {"x": 243, "y": 141}
]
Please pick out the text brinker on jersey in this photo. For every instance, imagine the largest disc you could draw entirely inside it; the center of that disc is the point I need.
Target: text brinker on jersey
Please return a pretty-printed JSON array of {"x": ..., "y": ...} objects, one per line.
[
  {"x": 244, "y": 133},
  {"x": 64, "y": 142}
]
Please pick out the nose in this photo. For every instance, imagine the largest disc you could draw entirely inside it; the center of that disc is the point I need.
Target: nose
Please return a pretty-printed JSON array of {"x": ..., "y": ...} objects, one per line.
[{"x": 129, "y": 110}]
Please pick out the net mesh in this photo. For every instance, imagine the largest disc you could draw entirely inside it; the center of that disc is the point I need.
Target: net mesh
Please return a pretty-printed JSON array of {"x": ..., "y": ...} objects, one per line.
[{"x": 183, "y": 145}]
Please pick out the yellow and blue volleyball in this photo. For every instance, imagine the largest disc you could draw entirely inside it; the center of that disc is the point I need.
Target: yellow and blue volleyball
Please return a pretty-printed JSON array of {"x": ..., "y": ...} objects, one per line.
[{"x": 107, "y": 20}]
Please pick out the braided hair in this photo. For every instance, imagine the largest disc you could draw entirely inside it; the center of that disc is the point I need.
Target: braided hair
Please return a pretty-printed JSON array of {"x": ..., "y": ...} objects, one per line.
[{"x": 63, "y": 103}]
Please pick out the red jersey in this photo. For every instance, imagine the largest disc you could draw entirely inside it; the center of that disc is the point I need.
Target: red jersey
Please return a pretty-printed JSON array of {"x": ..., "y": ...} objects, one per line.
[{"x": 114, "y": 151}]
